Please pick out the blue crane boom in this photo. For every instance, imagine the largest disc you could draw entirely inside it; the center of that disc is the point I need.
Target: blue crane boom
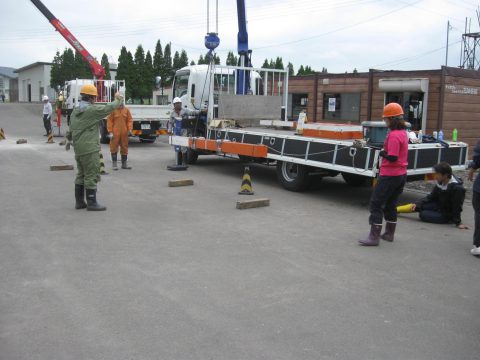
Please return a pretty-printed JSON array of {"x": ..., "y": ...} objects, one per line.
[{"x": 244, "y": 53}]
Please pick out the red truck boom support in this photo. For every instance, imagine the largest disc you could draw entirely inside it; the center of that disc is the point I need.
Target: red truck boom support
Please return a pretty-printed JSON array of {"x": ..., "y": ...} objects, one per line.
[{"x": 97, "y": 69}]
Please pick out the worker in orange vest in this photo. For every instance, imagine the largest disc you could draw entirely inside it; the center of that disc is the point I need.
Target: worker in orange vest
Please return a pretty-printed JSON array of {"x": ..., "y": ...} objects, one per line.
[{"x": 119, "y": 127}]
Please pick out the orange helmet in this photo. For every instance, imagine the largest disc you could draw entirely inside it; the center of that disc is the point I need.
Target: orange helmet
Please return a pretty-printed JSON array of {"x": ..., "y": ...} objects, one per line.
[{"x": 392, "y": 110}]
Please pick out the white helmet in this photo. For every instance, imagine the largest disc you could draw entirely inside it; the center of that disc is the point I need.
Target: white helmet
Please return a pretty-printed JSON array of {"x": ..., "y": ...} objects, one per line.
[
  {"x": 45, "y": 98},
  {"x": 177, "y": 100}
]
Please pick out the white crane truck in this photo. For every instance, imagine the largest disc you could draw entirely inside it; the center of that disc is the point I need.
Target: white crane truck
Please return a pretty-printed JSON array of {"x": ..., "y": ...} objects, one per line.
[{"x": 241, "y": 126}]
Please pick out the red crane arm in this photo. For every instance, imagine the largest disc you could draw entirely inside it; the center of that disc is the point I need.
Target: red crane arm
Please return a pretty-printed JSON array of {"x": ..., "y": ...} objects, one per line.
[{"x": 97, "y": 69}]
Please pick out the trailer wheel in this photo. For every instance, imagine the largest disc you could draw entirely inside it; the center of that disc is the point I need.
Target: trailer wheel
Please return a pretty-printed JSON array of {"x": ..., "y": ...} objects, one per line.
[
  {"x": 293, "y": 177},
  {"x": 104, "y": 139},
  {"x": 192, "y": 156},
  {"x": 355, "y": 180}
]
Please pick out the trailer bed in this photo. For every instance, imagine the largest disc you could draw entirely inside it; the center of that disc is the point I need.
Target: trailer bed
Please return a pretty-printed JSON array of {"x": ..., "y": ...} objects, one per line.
[{"x": 298, "y": 156}]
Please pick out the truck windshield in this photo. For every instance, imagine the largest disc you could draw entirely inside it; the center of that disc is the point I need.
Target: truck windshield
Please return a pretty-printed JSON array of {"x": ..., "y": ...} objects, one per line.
[{"x": 180, "y": 86}]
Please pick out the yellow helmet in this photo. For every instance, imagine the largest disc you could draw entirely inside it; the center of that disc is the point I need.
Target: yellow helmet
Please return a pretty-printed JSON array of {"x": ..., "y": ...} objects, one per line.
[{"x": 89, "y": 89}]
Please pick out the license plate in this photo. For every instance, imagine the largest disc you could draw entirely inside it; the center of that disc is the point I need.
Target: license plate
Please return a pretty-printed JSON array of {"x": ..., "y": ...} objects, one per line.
[{"x": 145, "y": 126}]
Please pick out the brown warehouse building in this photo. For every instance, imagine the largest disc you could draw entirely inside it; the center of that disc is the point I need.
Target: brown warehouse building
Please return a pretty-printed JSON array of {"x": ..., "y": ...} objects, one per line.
[{"x": 444, "y": 99}]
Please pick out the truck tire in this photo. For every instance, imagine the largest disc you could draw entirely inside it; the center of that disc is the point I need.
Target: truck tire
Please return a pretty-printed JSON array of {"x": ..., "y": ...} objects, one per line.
[
  {"x": 192, "y": 156},
  {"x": 104, "y": 139},
  {"x": 355, "y": 180},
  {"x": 293, "y": 177}
]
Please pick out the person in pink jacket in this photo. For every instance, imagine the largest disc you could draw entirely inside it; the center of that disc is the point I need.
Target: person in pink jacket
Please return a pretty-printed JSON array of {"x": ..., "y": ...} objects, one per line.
[{"x": 393, "y": 176}]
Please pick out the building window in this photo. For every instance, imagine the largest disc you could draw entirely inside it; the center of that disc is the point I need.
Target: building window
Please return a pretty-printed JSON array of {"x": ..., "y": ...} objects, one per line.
[
  {"x": 412, "y": 103},
  {"x": 1, "y": 83},
  {"x": 341, "y": 106},
  {"x": 297, "y": 103}
]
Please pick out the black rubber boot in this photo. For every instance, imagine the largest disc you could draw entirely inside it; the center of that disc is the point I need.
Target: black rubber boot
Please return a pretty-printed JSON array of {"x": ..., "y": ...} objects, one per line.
[
  {"x": 80, "y": 197},
  {"x": 114, "y": 161},
  {"x": 389, "y": 233},
  {"x": 373, "y": 239},
  {"x": 92, "y": 204},
  {"x": 124, "y": 163}
]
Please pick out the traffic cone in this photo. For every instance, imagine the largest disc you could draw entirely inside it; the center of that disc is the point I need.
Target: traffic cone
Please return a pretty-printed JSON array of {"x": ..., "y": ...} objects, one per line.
[
  {"x": 102, "y": 165},
  {"x": 246, "y": 188},
  {"x": 405, "y": 209},
  {"x": 50, "y": 138},
  {"x": 2, "y": 134}
]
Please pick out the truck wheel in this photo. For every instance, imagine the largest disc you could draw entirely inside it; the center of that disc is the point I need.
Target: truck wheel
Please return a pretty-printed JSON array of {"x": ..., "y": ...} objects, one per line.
[
  {"x": 192, "y": 156},
  {"x": 104, "y": 134},
  {"x": 293, "y": 177},
  {"x": 355, "y": 180}
]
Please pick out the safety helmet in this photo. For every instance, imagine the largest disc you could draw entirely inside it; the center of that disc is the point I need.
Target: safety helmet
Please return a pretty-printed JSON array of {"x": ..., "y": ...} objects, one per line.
[
  {"x": 45, "y": 98},
  {"x": 177, "y": 100},
  {"x": 89, "y": 89},
  {"x": 392, "y": 110}
]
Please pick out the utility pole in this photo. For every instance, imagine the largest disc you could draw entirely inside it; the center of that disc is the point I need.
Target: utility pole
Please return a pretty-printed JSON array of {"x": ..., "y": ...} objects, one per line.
[{"x": 446, "y": 52}]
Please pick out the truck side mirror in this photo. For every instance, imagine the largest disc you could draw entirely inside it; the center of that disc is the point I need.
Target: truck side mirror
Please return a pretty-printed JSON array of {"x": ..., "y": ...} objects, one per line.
[{"x": 158, "y": 82}]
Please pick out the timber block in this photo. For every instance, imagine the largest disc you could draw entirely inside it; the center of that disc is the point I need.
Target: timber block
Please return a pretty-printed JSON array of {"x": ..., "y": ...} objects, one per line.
[
  {"x": 178, "y": 183},
  {"x": 251, "y": 204},
  {"x": 61, "y": 167}
]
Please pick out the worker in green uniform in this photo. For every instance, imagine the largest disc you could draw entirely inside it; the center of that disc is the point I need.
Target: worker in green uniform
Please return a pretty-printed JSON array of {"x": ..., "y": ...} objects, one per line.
[{"x": 84, "y": 133}]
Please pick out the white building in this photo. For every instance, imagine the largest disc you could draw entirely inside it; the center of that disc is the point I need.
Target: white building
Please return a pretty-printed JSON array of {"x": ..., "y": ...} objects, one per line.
[
  {"x": 34, "y": 82},
  {"x": 8, "y": 80}
]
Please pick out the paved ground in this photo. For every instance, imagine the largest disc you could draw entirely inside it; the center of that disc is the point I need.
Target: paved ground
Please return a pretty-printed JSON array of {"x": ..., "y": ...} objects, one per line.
[{"x": 170, "y": 273}]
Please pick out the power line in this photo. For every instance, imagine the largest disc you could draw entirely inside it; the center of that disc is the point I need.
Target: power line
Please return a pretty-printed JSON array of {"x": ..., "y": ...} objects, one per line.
[
  {"x": 337, "y": 30},
  {"x": 415, "y": 57}
]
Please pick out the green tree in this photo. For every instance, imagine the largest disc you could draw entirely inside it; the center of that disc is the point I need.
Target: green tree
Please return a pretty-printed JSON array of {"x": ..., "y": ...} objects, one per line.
[
  {"x": 231, "y": 59},
  {"x": 81, "y": 68},
  {"x": 324, "y": 70},
  {"x": 309, "y": 70},
  {"x": 138, "y": 82},
  {"x": 158, "y": 59},
  {"x": 70, "y": 66},
  {"x": 106, "y": 65},
  {"x": 166, "y": 73},
  {"x": 301, "y": 71},
  {"x": 279, "y": 63},
  {"x": 56, "y": 76},
  {"x": 291, "y": 70},
  {"x": 183, "y": 58},
  {"x": 192, "y": 63},
  {"x": 265, "y": 64},
  {"x": 125, "y": 70},
  {"x": 149, "y": 75},
  {"x": 176, "y": 62},
  {"x": 201, "y": 60},
  {"x": 271, "y": 64}
]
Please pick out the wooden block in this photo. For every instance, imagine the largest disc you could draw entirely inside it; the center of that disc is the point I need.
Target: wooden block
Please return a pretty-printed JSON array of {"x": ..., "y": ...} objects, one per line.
[
  {"x": 178, "y": 183},
  {"x": 250, "y": 204},
  {"x": 21, "y": 141},
  {"x": 61, "y": 167}
]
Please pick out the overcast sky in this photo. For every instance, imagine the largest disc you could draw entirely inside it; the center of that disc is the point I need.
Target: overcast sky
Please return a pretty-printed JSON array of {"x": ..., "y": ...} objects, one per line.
[{"x": 338, "y": 34}]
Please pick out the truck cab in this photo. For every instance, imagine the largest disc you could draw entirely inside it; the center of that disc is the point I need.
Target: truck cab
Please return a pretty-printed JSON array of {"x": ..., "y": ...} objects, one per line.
[
  {"x": 199, "y": 86},
  {"x": 108, "y": 90}
]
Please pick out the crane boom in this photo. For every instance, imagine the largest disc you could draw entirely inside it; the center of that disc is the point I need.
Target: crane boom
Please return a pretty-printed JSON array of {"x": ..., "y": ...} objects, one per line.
[
  {"x": 244, "y": 53},
  {"x": 242, "y": 37},
  {"x": 97, "y": 69}
]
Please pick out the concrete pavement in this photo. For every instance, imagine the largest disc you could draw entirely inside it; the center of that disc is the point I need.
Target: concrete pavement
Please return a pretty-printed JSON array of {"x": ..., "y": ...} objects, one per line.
[{"x": 179, "y": 273}]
